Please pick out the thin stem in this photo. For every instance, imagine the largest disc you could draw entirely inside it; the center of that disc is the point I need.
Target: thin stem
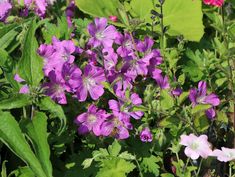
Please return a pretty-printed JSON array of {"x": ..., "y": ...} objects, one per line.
[
  {"x": 230, "y": 170},
  {"x": 24, "y": 113},
  {"x": 138, "y": 165},
  {"x": 199, "y": 168}
]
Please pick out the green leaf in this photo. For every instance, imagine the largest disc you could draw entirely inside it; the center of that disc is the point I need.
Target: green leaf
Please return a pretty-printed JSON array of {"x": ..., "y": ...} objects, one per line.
[
  {"x": 115, "y": 148},
  {"x": 87, "y": 163},
  {"x": 167, "y": 175},
  {"x": 15, "y": 101},
  {"x": 11, "y": 135},
  {"x": 22, "y": 172},
  {"x": 200, "y": 108},
  {"x": 115, "y": 168},
  {"x": 183, "y": 97},
  {"x": 127, "y": 156},
  {"x": 30, "y": 64},
  {"x": 169, "y": 122},
  {"x": 101, "y": 8},
  {"x": 149, "y": 165},
  {"x": 183, "y": 17},
  {"x": 36, "y": 129},
  {"x": 4, "y": 169},
  {"x": 167, "y": 100},
  {"x": 7, "y": 34},
  {"x": 201, "y": 123},
  {"x": 47, "y": 104}
]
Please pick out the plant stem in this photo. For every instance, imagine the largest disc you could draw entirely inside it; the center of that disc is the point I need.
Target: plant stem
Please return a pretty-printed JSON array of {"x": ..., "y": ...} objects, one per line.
[
  {"x": 138, "y": 165},
  {"x": 199, "y": 168}
]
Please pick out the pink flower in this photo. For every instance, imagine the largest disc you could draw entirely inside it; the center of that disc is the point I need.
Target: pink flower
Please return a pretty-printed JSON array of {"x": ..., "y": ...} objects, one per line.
[
  {"x": 195, "y": 146},
  {"x": 224, "y": 155},
  {"x": 217, "y": 3}
]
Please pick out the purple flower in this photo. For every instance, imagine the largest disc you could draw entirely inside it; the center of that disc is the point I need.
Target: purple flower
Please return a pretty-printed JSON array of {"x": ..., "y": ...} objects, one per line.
[
  {"x": 70, "y": 13},
  {"x": 176, "y": 92},
  {"x": 162, "y": 81},
  {"x": 25, "y": 88},
  {"x": 71, "y": 74},
  {"x": 198, "y": 96},
  {"x": 5, "y": 7},
  {"x": 56, "y": 88},
  {"x": 115, "y": 127},
  {"x": 126, "y": 48},
  {"x": 91, "y": 82},
  {"x": 40, "y": 9},
  {"x": 56, "y": 55},
  {"x": 146, "y": 135},
  {"x": 123, "y": 111},
  {"x": 91, "y": 120},
  {"x": 101, "y": 34},
  {"x": 110, "y": 58}
]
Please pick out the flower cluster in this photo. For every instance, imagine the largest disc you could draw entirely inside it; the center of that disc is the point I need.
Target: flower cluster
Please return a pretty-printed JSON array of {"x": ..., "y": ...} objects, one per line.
[
  {"x": 199, "y": 146},
  {"x": 115, "y": 59},
  {"x": 5, "y": 7},
  {"x": 217, "y": 3}
]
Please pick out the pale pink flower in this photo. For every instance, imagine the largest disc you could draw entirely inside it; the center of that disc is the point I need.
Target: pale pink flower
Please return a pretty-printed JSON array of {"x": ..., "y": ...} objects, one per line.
[
  {"x": 224, "y": 155},
  {"x": 195, "y": 146}
]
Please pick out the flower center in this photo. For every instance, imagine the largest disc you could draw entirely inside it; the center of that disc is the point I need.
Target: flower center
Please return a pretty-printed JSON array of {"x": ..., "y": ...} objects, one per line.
[
  {"x": 200, "y": 99},
  {"x": 88, "y": 82},
  {"x": 92, "y": 118},
  {"x": 194, "y": 145},
  {"x": 99, "y": 35}
]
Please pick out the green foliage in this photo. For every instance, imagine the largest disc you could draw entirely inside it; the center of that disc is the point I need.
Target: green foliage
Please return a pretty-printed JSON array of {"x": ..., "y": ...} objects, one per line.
[
  {"x": 30, "y": 64},
  {"x": 15, "y": 101},
  {"x": 36, "y": 129},
  {"x": 166, "y": 99},
  {"x": 11, "y": 135},
  {"x": 115, "y": 168},
  {"x": 149, "y": 165}
]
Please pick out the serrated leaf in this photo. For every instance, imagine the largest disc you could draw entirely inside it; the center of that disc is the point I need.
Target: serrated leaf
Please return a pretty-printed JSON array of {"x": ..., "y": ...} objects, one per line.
[
  {"x": 11, "y": 136},
  {"x": 16, "y": 101},
  {"x": 115, "y": 168},
  {"x": 30, "y": 64},
  {"x": 149, "y": 165},
  {"x": 36, "y": 129},
  {"x": 127, "y": 156},
  {"x": 115, "y": 148}
]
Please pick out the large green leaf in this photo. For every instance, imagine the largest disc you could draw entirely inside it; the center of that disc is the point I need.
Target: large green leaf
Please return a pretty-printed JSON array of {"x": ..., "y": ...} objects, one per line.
[
  {"x": 7, "y": 34},
  {"x": 36, "y": 129},
  {"x": 15, "y": 101},
  {"x": 11, "y": 135},
  {"x": 30, "y": 65},
  {"x": 184, "y": 17}
]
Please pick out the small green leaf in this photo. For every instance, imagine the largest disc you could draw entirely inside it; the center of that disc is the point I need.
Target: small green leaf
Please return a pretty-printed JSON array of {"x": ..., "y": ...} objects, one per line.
[
  {"x": 201, "y": 123},
  {"x": 167, "y": 100},
  {"x": 47, "y": 104},
  {"x": 200, "y": 108},
  {"x": 115, "y": 148},
  {"x": 15, "y": 101},
  {"x": 149, "y": 165},
  {"x": 4, "y": 169},
  {"x": 127, "y": 156},
  {"x": 87, "y": 163}
]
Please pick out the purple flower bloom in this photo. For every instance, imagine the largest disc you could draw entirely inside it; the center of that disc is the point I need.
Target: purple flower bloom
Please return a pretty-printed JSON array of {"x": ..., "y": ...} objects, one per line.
[
  {"x": 25, "y": 88},
  {"x": 5, "y": 7},
  {"x": 110, "y": 58},
  {"x": 70, "y": 13},
  {"x": 40, "y": 9},
  {"x": 176, "y": 92},
  {"x": 122, "y": 111},
  {"x": 161, "y": 81},
  {"x": 56, "y": 55},
  {"x": 91, "y": 82},
  {"x": 126, "y": 48},
  {"x": 71, "y": 74},
  {"x": 56, "y": 88},
  {"x": 101, "y": 33},
  {"x": 146, "y": 135},
  {"x": 115, "y": 127},
  {"x": 198, "y": 96},
  {"x": 91, "y": 120}
]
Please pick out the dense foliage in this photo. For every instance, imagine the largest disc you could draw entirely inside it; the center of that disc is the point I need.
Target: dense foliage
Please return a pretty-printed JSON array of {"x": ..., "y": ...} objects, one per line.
[{"x": 115, "y": 88}]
